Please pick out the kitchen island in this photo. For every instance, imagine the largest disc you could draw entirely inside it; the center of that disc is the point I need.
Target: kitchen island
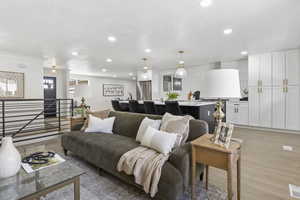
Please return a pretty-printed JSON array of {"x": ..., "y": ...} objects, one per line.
[{"x": 202, "y": 110}]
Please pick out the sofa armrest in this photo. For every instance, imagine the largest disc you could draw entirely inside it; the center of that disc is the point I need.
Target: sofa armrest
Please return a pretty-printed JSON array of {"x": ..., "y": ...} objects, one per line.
[
  {"x": 181, "y": 159},
  {"x": 77, "y": 126}
]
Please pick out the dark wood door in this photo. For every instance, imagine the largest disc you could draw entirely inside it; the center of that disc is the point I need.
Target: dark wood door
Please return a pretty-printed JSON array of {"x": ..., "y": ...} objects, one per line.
[{"x": 50, "y": 96}]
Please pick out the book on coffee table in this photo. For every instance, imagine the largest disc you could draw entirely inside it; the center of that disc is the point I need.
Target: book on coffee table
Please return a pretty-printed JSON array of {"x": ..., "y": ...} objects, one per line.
[{"x": 29, "y": 168}]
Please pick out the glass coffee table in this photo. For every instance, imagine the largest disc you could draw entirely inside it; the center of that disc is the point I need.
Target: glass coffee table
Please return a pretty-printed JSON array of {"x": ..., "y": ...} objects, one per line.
[{"x": 24, "y": 186}]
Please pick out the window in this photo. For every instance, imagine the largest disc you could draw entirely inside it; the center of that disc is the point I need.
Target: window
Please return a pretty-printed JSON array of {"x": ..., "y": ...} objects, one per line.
[{"x": 171, "y": 83}]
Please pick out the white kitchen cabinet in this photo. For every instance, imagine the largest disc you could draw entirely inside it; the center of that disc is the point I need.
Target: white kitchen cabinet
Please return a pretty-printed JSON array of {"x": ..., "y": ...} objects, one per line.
[
  {"x": 274, "y": 90},
  {"x": 253, "y": 70},
  {"x": 278, "y": 107},
  {"x": 265, "y": 69},
  {"x": 278, "y": 68},
  {"x": 237, "y": 113},
  {"x": 292, "y": 108},
  {"x": 243, "y": 113},
  {"x": 260, "y": 70},
  {"x": 292, "y": 67},
  {"x": 230, "y": 112},
  {"x": 285, "y": 67},
  {"x": 253, "y": 100},
  {"x": 265, "y": 107},
  {"x": 260, "y": 107}
]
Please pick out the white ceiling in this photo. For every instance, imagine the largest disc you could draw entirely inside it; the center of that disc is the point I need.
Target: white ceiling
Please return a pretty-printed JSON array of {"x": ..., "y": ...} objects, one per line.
[{"x": 46, "y": 28}]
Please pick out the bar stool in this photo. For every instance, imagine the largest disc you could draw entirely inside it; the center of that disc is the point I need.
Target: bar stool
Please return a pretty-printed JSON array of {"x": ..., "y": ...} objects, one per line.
[
  {"x": 173, "y": 107},
  {"x": 149, "y": 107},
  {"x": 117, "y": 107},
  {"x": 134, "y": 106}
]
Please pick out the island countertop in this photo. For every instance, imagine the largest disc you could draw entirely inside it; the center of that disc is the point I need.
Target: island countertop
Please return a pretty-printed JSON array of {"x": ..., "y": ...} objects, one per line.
[{"x": 181, "y": 103}]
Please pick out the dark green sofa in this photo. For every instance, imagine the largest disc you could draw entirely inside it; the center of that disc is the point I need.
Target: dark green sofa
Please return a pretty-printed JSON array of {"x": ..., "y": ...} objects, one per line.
[{"x": 105, "y": 150}]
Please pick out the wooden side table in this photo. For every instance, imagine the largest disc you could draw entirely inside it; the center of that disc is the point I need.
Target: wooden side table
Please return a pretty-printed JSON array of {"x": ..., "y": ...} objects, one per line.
[
  {"x": 209, "y": 154},
  {"x": 77, "y": 120}
]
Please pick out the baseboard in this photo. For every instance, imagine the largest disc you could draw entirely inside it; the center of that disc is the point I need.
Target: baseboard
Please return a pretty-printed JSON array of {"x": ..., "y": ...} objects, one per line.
[{"x": 268, "y": 129}]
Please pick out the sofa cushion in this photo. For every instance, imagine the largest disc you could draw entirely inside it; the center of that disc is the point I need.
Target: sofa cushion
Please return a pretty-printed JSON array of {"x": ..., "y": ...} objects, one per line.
[
  {"x": 98, "y": 148},
  {"x": 127, "y": 124}
]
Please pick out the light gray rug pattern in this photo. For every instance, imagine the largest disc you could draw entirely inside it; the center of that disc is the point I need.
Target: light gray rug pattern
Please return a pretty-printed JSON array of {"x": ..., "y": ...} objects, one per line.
[{"x": 107, "y": 187}]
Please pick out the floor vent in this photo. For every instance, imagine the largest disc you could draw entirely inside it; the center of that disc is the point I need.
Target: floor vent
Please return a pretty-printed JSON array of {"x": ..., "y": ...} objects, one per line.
[
  {"x": 294, "y": 191},
  {"x": 287, "y": 148}
]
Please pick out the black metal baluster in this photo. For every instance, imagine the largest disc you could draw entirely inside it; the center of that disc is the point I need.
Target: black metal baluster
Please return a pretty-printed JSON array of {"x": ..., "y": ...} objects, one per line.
[
  {"x": 3, "y": 118},
  {"x": 59, "y": 122},
  {"x": 72, "y": 107}
]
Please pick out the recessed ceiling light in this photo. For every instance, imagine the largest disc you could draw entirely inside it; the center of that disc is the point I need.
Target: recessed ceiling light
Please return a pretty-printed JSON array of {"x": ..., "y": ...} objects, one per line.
[
  {"x": 104, "y": 70},
  {"x": 244, "y": 53},
  {"x": 108, "y": 60},
  {"x": 205, "y": 3},
  {"x": 115, "y": 76},
  {"x": 130, "y": 74},
  {"x": 75, "y": 53},
  {"x": 148, "y": 50},
  {"x": 227, "y": 31},
  {"x": 146, "y": 67},
  {"x": 111, "y": 38}
]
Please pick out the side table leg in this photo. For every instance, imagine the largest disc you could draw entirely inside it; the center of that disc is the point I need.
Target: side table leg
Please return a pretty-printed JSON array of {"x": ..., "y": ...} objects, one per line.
[
  {"x": 239, "y": 177},
  {"x": 77, "y": 188},
  {"x": 229, "y": 177},
  {"x": 206, "y": 177},
  {"x": 193, "y": 172}
]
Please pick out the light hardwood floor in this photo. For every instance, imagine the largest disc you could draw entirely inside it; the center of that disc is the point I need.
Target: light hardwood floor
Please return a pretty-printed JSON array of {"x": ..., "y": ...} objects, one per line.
[{"x": 266, "y": 168}]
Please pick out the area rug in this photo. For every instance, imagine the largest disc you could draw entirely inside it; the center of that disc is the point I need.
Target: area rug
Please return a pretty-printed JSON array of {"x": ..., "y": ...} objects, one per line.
[{"x": 107, "y": 187}]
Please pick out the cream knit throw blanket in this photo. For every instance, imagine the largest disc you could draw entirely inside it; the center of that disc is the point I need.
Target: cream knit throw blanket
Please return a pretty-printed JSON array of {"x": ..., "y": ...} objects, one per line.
[{"x": 145, "y": 164}]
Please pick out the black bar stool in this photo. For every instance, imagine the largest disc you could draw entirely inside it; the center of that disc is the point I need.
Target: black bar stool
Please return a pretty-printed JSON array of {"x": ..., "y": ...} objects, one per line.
[
  {"x": 149, "y": 107},
  {"x": 117, "y": 107},
  {"x": 134, "y": 106},
  {"x": 173, "y": 107}
]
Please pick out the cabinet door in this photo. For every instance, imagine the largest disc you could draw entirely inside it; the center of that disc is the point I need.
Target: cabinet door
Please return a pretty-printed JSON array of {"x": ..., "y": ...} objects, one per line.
[
  {"x": 230, "y": 113},
  {"x": 242, "y": 117},
  {"x": 253, "y": 98},
  {"x": 265, "y": 69},
  {"x": 253, "y": 70},
  {"x": 292, "y": 108},
  {"x": 292, "y": 67},
  {"x": 278, "y": 68},
  {"x": 278, "y": 107},
  {"x": 265, "y": 107}
]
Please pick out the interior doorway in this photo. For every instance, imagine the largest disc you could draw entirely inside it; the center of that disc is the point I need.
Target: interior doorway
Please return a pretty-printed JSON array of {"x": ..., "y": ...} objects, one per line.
[{"x": 49, "y": 96}]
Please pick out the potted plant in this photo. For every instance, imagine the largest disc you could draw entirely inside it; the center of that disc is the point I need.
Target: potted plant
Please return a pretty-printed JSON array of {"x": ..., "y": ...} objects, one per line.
[{"x": 172, "y": 95}]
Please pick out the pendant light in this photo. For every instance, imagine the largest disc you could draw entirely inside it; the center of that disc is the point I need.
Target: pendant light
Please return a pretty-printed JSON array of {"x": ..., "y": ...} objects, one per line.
[
  {"x": 145, "y": 74},
  {"x": 54, "y": 65},
  {"x": 180, "y": 71}
]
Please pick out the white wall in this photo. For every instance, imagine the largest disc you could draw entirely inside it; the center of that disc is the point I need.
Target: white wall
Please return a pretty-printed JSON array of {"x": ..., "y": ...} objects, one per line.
[
  {"x": 32, "y": 69},
  {"x": 62, "y": 79},
  {"x": 194, "y": 80},
  {"x": 97, "y": 101}
]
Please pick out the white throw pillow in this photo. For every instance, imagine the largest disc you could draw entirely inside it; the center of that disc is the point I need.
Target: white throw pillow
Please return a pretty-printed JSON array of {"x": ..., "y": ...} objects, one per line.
[
  {"x": 96, "y": 124},
  {"x": 144, "y": 125},
  {"x": 160, "y": 141}
]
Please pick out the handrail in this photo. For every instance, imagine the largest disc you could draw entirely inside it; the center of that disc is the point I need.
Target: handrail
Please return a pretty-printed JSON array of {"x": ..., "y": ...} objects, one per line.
[
  {"x": 39, "y": 114},
  {"x": 17, "y": 117}
]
